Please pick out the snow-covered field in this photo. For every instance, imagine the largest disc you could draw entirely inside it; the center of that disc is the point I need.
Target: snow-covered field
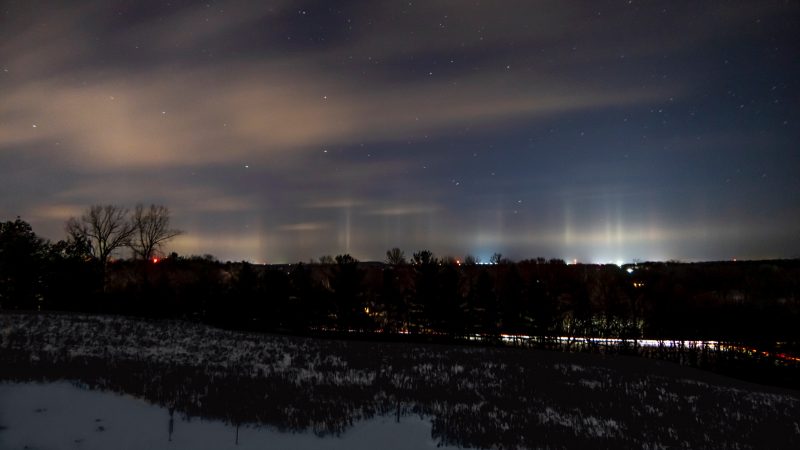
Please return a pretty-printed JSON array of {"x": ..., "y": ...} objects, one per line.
[{"x": 472, "y": 396}]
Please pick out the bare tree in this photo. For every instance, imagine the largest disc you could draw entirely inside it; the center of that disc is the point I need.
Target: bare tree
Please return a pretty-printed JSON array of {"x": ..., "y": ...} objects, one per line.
[
  {"x": 496, "y": 258},
  {"x": 104, "y": 227},
  {"x": 471, "y": 260},
  {"x": 150, "y": 230},
  {"x": 395, "y": 257},
  {"x": 424, "y": 257}
]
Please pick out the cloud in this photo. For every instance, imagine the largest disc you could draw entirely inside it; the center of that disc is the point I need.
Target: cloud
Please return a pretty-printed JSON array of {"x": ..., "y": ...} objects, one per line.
[
  {"x": 173, "y": 110},
  {"x": 244, "y": 115},
  {"x": 187, "y": 118},
  {"x": 335, "y": 203},
  {"x": 304, "y": 226},
  {"x": 193, "y": 26},
  {"x": 223, "y": 245},
  {"x": 59, "y": 212},
  {"x": 179, "y": 109},
  {"x": 403, "y": 210}
]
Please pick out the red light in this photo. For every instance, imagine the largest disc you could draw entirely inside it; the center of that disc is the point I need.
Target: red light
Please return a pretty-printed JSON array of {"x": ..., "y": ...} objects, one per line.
[{"x": 155, "y": 260}]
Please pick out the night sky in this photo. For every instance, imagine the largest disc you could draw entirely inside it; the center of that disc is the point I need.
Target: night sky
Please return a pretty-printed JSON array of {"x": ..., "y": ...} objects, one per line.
[{"x": 282, "y": 131}]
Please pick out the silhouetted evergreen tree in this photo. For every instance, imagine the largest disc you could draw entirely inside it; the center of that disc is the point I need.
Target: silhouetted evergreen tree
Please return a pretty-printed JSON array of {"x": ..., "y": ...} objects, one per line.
[
  {"x": 22, "y": 262},
  {"x": 511, "y": 292},
  {"x": 346, "y": 285},
  {"x": 483, "y": 304},
  {"x": 307, "y": 301},
  {"x": 541, "y": 305},
  {"x": 447, "y": 313},
  {"x": 394, "y": 297},
  {"x": 245, "y": 298},
  {"x": 273, "y": 308},
  {"x": 423, "y": 305},
  {"x": 72, "y": 281}
]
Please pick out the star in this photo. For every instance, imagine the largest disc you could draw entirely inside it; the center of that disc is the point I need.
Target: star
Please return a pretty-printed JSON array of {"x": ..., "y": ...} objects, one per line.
[{"x": 587, "y": 136}]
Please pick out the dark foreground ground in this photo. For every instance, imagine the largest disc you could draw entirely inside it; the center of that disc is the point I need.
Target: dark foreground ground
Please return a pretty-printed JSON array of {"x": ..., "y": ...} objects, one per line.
[{"x": 484, "y": 397}]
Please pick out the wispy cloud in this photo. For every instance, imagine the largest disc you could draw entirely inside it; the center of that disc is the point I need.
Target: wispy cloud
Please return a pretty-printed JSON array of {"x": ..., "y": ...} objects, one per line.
[
  {"x": 338, "y": 203},
  {"x": 347, "y": 124},
  {"x": 403, "y": 210},
  {"x": 186, "y": 117},
  {"x": 227, "y": 108},
  {"x": 305, "y": 226}
]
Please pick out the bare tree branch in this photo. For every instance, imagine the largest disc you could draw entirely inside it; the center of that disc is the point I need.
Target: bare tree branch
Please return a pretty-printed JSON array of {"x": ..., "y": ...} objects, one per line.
[
  {"x": 151, "y": 230},
  {"x": 395, "y": 257},
  {"x": 105, "y": 227}
]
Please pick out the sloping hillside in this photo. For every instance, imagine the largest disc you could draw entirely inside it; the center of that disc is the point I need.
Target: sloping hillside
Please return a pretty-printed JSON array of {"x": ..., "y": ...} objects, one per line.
[{"x": 475, "y": 396}]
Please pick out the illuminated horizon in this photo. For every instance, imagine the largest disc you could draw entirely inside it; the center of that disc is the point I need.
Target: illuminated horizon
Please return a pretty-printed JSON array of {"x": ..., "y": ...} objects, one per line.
[{"x": 280, "y": 132}]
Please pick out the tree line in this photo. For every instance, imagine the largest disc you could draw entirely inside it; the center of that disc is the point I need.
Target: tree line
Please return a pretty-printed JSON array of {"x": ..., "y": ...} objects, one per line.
[
  {"x": 102, "y": 229},
  {"x": 754, "y": 301},
  {"x": 33, "y": 269}
]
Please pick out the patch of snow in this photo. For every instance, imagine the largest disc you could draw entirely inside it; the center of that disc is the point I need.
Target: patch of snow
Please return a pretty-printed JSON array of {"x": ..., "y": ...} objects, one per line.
[
  {"x": 589, "y": 425},
  {"x": 591, "y": 384}
]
